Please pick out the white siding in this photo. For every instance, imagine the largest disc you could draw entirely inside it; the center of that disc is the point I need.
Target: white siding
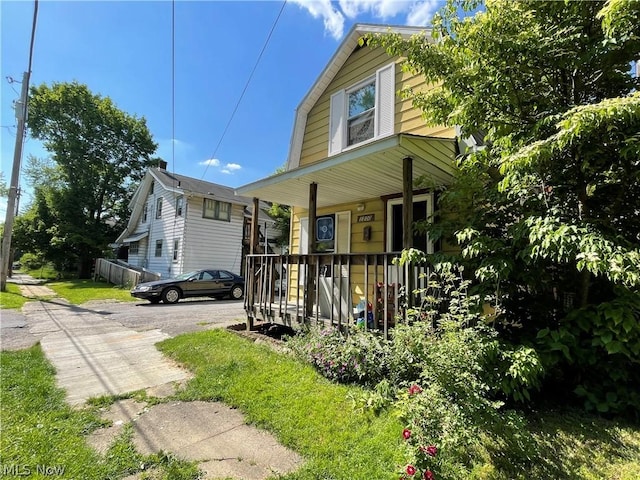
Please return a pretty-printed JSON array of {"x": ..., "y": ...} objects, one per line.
[
  {"x": 212, "y": 243},
  {"x": 166, "y": 229}
]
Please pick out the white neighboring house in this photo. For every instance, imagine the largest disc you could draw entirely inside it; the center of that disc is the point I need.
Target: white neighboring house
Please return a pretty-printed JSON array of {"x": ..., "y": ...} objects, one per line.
[{"x": 179, "y": 224}]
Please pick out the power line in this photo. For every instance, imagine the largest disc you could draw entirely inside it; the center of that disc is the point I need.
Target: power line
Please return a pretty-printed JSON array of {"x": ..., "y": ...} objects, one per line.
[{"x": 244, "y": 90}]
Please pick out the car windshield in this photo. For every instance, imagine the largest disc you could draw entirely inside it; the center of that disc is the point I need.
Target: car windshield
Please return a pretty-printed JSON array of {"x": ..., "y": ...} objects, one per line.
[{"x": 187, "y": 276}]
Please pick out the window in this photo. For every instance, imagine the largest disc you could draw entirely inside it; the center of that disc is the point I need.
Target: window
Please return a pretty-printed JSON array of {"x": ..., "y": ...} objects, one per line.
[
  {"x": 152, "y": 186},
  {"x": 422, "y": 210},
  {"x": 361, "y": 109},
  {"x": 225, "y": 275},
  {"x": 158, "y": 248},
  {"x": 145, "y": 212},
  {"x": 363, "y": 112},
  {"x": 179, "y": 202},
  {"x": 159, "y": 208},
  {"x": 325, "y": 233},
  {"x": 216, "y": 210},
  {"x": 133, "y": 248},
  {"x": 176, "y": 246}
]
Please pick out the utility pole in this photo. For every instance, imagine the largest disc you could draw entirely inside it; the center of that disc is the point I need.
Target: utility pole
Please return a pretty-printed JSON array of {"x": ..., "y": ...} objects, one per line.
[{"x": 21, "y": 114}]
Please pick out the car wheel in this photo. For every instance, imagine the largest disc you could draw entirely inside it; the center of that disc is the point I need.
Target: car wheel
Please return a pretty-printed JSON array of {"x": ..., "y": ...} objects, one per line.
[
  {"x": 171, "y": 295},
  {"x": 154, "y": 300},
  {"x": 236, "y": 292}
]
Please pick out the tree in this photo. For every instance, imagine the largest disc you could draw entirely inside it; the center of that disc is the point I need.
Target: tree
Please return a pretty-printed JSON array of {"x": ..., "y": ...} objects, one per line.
[
  {"x": 547, "y": 211},
  {"x": 281, "y": 214},
  {"x": 98, "y": 152}
]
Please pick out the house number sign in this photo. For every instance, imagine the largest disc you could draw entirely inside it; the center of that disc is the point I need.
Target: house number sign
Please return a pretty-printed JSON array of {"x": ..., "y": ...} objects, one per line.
[{"x": 366, "y": 218}]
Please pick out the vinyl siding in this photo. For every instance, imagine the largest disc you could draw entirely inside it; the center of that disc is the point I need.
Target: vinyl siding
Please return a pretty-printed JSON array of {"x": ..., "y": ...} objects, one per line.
[
  {"x": 363, "y": 63},
  {"x": 166, "y": 229},
  {"x": 212, "y": 243}
]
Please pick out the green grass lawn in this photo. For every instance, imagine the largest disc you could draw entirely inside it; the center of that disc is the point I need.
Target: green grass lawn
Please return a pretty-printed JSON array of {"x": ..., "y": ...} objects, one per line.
[
  {"x": 305, "y": 411},
  {"x": 81, "y": 291},
  {"x": 75, "y": 292},
  {"x": 312, "y": 416},
  {"x": 43, "y": 437},
  {"x": 12, "y": 298}
]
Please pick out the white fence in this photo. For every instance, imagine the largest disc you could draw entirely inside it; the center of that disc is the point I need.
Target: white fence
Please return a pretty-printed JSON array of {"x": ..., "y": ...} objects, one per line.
[{"x": 118, "y": 274}]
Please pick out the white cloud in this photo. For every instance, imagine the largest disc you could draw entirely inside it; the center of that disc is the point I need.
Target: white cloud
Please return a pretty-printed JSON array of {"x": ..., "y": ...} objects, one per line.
[
  {"x": 229, "y": 168},
  {"x": 378, "y": 8},
  {"x": 422, "y": 13},
  {"x": 333, "y": 19},
  {"x": 417, "y": 12},
  {"x": 212, "y": 162}
]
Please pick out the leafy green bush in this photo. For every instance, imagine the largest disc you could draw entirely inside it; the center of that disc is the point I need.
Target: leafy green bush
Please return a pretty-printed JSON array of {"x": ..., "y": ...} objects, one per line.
[
  {"x": 360, "y": 357},
  {"x": 32, "y": 261},
  {"x": 596, "y": 351}
]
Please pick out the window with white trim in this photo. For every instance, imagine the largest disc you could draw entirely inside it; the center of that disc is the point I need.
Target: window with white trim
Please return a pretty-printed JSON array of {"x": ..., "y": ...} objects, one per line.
[
  {"x": 176, "y": 247},
  {"x": 216, "y": 210},
  {"x": 159, "y": 208},
  {"x": 145, "y": 212},
  {"x": 158, "y": 252},
  {"x": 422, "y": 211},
  {"x": 363, "y": 112},
  {"x": 179, "y": 204},
  {"x": 134, "y": 248}
]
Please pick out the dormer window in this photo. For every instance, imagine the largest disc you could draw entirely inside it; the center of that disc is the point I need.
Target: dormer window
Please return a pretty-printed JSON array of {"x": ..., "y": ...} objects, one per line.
[{"x": 363, "y": 112}]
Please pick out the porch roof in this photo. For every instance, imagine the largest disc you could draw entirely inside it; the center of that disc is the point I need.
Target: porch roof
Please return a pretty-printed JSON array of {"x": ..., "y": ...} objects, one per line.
[
  {"x": 368, "y": 171},
  {"x": 135, "y": 237}
]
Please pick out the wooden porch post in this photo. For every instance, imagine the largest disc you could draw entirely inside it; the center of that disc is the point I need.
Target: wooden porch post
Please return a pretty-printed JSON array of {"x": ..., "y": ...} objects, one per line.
[
  {"x": 250, "y": 281},
  {"x": 407, "y": 222},
  {"x": 311, "y": 274}
]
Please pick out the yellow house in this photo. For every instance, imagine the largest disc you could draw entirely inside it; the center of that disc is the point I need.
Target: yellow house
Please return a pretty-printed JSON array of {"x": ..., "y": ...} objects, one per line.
[{"x": 356, "y": 151}]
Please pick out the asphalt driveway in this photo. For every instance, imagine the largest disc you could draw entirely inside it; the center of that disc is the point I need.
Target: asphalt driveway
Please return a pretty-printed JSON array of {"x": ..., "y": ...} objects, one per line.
[{"x": 19, "y": 330}]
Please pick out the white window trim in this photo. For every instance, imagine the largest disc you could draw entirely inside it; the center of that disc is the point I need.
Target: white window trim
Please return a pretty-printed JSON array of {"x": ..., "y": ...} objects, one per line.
[
  {"x": 384, "y": 117},
  {"x": 398, "y": 201}
]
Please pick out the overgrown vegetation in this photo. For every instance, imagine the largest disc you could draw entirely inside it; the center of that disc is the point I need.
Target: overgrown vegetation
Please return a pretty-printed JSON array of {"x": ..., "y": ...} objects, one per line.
[
  {"x": 546, "y": 204},
  {"x": 458, "y": 388},
  {"x": 42, "y": 436},
  {"x": 316, "y": 418}
]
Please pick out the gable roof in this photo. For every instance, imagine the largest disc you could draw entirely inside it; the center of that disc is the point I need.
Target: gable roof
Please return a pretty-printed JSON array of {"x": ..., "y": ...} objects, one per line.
[
  {"x": 339, "y": 58},
  {"x": 188, "y": 185},
  {"x": 181, "y": 185}
]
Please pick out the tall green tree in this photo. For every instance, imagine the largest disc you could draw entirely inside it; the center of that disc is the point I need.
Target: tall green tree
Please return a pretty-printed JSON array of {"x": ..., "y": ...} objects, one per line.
[
  {"x": 98, "y": 152},
  {"x": 547, "y": 210}
]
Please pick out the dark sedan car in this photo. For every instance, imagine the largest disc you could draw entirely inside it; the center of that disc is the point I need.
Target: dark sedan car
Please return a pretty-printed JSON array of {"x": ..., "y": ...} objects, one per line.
[{"x": 199, "y": 283}]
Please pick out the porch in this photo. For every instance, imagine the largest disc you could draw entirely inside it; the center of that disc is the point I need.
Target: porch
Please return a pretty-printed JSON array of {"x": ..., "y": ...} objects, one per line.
[{"x": 340, "y": 290}]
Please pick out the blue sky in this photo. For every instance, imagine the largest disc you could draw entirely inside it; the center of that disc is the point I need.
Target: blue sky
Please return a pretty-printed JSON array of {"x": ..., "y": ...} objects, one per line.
[{"x": 122, "y": 50}]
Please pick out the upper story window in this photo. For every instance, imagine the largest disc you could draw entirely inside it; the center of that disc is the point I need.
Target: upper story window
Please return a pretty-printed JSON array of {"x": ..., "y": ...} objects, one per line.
[
  {"x": 159, "y": 208},
  {"x": 152, "y": 187},
  {"x": 145, "y": 212},
  {"x": 179, "y": 205},
  {"x": 216, "y": 210},
  {"x": 363, "y": 112}
]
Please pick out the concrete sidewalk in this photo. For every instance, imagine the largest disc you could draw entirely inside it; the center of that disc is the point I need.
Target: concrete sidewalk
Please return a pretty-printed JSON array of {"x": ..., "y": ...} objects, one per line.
[{"x": 95, "y": 356}]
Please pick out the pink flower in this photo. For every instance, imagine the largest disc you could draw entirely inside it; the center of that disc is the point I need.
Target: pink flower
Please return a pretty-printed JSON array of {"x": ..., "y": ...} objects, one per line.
[
  {"x": 428, "y": 475},
  {"x": 411, "y": 470},
  {"x": 406, "y": 433},
  {"x": 431, "y": 450},
  {"x": 413, "y": 389}
]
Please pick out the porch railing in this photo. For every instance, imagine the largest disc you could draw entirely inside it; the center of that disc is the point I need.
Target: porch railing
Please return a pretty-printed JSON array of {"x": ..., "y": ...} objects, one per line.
[{"x": 331, "y": 289}]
